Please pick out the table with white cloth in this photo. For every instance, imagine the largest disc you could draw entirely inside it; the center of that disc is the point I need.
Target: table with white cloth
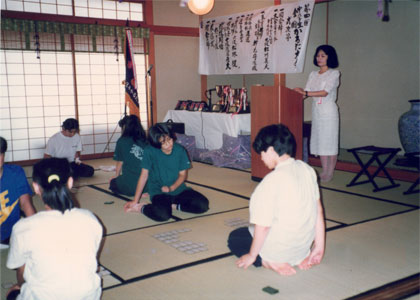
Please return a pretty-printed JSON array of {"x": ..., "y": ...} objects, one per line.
[{"x": 208, "y": 128}]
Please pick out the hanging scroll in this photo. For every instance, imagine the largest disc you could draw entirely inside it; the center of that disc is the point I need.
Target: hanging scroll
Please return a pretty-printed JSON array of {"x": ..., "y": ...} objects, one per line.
[{"x": 269, "y": 40}]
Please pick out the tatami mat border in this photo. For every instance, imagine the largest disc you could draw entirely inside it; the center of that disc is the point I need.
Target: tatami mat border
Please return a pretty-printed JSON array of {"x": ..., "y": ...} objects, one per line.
[
  {"x": 368, "y": 220},
  {"x": 169, "y": 270},
  {"x": 122, "y": 198},
  {"x": 219, "y": 190},
  {"x": 370, "y": 197},
  {"x": 179, "y": 220},
  {"x": 115, "y": 275},
  {"x": 108, "y": 192},
  {"x": 229, "y": 168},
  {"x": 176, "y": 219}
]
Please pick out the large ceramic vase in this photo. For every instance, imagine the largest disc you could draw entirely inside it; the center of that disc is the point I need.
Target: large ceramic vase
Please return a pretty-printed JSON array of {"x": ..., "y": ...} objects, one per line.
[{"x": 409, "y": 128}]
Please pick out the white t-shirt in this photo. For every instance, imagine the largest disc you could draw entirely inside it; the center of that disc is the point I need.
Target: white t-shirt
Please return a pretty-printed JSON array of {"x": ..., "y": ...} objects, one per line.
[
  {"x": 62, "y": 146},
  {"x": 286, "y": 201},
  {"x": 59, "y": 253}
]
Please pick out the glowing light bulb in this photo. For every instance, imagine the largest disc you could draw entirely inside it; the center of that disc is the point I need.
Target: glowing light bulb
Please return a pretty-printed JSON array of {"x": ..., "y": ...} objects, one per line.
[{"x": 200, "y": 7}]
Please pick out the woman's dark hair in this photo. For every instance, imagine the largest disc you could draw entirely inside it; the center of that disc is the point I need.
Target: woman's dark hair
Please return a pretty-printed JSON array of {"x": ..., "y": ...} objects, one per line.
[
  {"x": 3, "y": 145},
  {"x": 52, "y": 174},
  {"x": 71, "y": 124},
  {"x": 332, "y": 60},
  {"x": 159, "y": 131},
  {"x": 131, "y": 127},
  {"x": 278, "y": 136}
]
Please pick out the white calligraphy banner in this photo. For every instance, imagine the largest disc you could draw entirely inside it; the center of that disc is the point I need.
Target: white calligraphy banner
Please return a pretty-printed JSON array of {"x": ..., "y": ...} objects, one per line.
[{"x": 268, "y": 40}]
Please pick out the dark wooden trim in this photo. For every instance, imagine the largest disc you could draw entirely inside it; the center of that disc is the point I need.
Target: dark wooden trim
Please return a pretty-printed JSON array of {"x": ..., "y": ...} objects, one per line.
[
  {"x": 151, "y": 86},
  {"x": 68, "y": 19},
  {"x": 278, "y": 2},
  {"x": 174, "y": 30},
  {"x": 156, "y": 29},
  {"x": 148, "y": 12},
  {"x": 399, "y": 289},
  {"x": 396, "y": 174},
  {"x": 203, "y": 87},
  {"x": 73, "y": 58},
  {"x": 153, "y": 91}
]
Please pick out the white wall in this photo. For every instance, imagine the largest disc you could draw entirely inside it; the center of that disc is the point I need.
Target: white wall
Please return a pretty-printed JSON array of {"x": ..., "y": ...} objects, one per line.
[
  {"x": 169, "y": 13},
  {"x": 379, "y": 62},
  {"x": 176, "y": 72}
]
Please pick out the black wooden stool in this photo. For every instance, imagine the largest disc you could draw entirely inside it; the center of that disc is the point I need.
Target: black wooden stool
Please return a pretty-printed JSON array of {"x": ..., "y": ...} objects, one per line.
[
  {"x": 375, "y": 152},
  {"x": 414, "y": 159}
]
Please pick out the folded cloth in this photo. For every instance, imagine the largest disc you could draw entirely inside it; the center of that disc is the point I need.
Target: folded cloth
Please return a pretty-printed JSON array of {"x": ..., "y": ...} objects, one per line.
[{"x": 107, "y": 168}]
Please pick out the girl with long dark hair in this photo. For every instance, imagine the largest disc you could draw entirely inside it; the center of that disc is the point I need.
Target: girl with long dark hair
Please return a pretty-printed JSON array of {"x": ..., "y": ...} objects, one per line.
[{"x": 128, "y": 155}]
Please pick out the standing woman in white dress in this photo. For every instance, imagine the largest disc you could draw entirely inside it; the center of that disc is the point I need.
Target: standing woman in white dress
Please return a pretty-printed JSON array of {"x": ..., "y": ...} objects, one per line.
[{"x": 322, "y": 87}]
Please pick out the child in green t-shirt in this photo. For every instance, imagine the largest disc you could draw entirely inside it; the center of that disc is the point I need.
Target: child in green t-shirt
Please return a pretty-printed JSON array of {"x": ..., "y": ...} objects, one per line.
[
  {"x": 128, "y": 154},
  {"x": 165, "y": 168}
]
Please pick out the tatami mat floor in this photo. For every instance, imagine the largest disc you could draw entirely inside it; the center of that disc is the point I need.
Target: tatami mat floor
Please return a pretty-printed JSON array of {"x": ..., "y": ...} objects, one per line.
[{"x": 372, "y": 240}]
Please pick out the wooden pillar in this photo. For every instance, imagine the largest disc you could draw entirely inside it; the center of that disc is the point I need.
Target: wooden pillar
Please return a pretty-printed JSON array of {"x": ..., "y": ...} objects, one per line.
[{"x": 152, "y": 107}]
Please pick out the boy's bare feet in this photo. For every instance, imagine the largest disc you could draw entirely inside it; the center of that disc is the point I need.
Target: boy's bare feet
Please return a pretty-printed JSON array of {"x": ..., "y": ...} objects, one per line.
[
  {"x": 284, "y": 269},
  {"x": 314, "y": 258},
  {"x": 305, "y": 265}
]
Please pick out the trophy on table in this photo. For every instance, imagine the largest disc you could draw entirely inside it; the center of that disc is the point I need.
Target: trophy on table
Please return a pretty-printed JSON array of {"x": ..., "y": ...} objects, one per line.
[
  {"x": 246, "y": 108},
  {"x": 239, "y": 103},
  {"x": 221, "y": 92},
  {"x": 235, "y": 104},
  {"x": 207, "y": 93},
  {"x": 228, "y": 98}
]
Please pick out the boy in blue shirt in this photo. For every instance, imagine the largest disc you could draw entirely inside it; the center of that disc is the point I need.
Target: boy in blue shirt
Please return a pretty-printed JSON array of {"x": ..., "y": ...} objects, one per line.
[{"x": 15, "y": 194}]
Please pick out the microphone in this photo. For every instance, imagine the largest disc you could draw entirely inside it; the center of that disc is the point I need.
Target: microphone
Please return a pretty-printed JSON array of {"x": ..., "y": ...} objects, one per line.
[{"x": 150, "y": 69}]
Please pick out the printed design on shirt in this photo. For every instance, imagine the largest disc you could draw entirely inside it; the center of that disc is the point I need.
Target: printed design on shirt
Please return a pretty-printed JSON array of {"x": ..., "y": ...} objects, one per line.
[
  {"x": 137, "y": 151},
  {"x": 5, "y": 210}
]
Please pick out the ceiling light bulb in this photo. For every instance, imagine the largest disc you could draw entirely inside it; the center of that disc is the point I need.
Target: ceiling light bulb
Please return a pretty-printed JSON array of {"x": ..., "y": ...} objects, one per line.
[{"x": 200, "y": 7}]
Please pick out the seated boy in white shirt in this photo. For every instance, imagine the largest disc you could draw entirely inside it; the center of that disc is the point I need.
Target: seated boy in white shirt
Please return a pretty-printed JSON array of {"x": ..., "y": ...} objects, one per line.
[
  {"x": 286, "y": 215},
  {"x": 68, "y": 144}
]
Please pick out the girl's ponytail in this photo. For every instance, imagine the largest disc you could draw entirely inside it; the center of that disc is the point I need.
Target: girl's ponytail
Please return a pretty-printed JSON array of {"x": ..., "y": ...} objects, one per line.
[{"x": 52, "y": 174}]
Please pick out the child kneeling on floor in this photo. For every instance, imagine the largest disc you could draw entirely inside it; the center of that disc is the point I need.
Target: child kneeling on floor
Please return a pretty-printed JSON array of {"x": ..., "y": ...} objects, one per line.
[
  {"x": 54, "y": 251},
  {"x": 165, "y": 169},
  {"x": 286, "y": 215}
]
